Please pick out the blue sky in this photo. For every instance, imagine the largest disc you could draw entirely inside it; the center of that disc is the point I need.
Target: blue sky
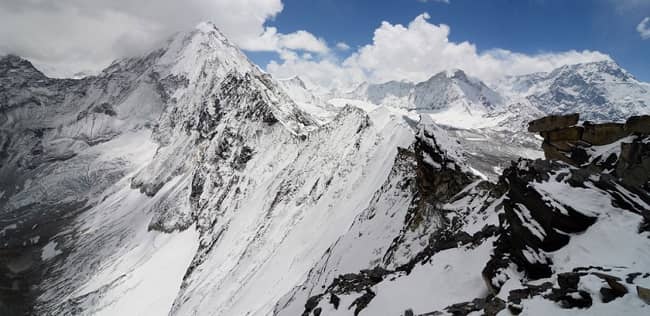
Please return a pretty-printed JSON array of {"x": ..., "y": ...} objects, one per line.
[{"x": 531, "y": 27}]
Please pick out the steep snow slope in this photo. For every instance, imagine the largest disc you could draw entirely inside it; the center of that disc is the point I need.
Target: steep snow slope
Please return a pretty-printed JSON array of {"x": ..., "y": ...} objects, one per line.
[
  {"x": 62, "y": 143},
  {"x": 75, "y": 152},
  {"x": 234, "y": 179},
  {"x": 546, "y": 239}
]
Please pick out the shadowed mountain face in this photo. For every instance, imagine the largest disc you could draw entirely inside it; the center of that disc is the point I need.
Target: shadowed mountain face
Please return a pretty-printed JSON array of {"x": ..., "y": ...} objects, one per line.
[{"x": 187, "y": 181}]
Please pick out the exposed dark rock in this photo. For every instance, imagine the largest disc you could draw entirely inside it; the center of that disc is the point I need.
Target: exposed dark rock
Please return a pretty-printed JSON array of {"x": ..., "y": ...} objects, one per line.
[
  {"x": 572, "y": 145},
  {"x": 362, "y": 301},
  {"x": 603, "y": 134},
  {"x": 615, "y": 289},
  {"x": 632, "y": 276},
  {"x": 311, "y": 304},
  {"x": 149, "y": 189},
  {"x": 638, "y": 124},
  {"x": 633, "y": 166},
  {"x": 553, "y": 122},
  {"x": 245, "y": 154},
  {"x": 643, "y": 293},
  {"x": 570, "y": 299},
  {"x": 351, "y": 282},
  {"x": 515, "y": 297},
  {"x": 438, "y": 179},
  {"x": 524, "y": 207},
  {"x": 568, "y": 280},
  {"x": 104, "y": 108},
  {"x": 335, "y": 300},
  {"x": 553, "y": 153},
  {"x": 563, "y": 135}
]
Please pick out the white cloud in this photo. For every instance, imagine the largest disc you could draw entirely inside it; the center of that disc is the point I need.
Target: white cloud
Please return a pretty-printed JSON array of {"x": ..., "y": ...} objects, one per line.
[
  {"x": 342, "y": 46},
  {"x": 644, "y": 28},
  {"x": 325, "y": 73},
  {"x": 271, "y": 40},
  {"x": 420, "y": 49},
  {"x": 303, "y": 40},
  {"x": 87, "y": 34}
]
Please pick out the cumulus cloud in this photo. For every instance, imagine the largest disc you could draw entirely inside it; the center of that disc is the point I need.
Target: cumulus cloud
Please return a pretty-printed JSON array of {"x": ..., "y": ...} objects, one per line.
[
  {"x": 271, "y": 40},
  {"x": 326, "y": 73},
  {"x": 420, "y": 49},
  {"x": 342, "y": 46},
  {"x": 73, "y": 35},
  {"x": 644, "y": 28}
]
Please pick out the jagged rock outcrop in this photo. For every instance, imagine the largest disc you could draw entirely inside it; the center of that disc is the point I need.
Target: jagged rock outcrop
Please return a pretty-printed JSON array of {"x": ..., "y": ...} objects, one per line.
[
  {"x": 568, "y": 142},
  {"x": 590, "y": 144},
  {"x": 553, "y": 122},
  {"x": 535, "y": 235},
  {"x": 638, "y": 124}
]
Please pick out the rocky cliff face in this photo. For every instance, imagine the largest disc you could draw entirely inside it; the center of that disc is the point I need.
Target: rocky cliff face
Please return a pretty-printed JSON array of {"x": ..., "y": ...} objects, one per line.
[{"x": 616, "y": 146}]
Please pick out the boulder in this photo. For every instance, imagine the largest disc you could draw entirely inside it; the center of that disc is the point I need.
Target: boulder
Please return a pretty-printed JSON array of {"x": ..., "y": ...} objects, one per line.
[
  {"x": 603, "y": 134},
  {"x": 553, "y": 122},
  {"x": 643, "y": 293},
  {"x": 571, "y": 134},
  {"x": 553, "y": 153},
  {"x": 568, "y": 280},
  {"x": 638, "y": 124},
  {"x": 561, "y": 140},
  {"x": 633, "y": 166},
  {"x": 614, "y": 289}
]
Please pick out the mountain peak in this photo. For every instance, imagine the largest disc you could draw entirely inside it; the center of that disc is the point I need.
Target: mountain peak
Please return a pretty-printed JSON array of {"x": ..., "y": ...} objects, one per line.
[
  {"x": 595, "y": 68},
  {"x": 203, "y": 50},
  {"x": 17, "y": 65},
  {"x": 456, "y": 73},
  {"x": 210, "y": 29},
  {"x": 296, "y": 80},
  {"x": 206, "y": 26}
]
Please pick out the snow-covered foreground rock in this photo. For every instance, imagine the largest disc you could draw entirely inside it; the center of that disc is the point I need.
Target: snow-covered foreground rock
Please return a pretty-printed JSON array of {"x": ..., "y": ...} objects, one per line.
[
  {"x": 547, "y": 238},
  {"x": 188, "y": 182}
]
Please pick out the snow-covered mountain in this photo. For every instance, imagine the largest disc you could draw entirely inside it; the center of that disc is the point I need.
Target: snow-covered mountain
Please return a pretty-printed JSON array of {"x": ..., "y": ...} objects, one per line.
[
  {"x": 600, "y": 91},
  {"x": 220, "y": 180},
  {"x": 438, "y": 92},
  {"x": 307, "y": 99},
  {"x": 188, "y": 182},
  {"x": 450, "y": 95}
]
